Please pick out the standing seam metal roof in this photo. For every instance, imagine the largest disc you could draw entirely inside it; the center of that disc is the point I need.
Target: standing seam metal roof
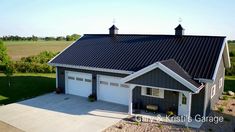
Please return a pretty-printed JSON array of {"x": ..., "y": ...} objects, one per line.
[{"x": 197, "y": 55}]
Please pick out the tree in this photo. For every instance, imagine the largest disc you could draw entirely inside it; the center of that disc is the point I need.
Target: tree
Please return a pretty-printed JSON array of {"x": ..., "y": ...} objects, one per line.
[
  {"x": 73, "y": 37},
  {"x": 3, "y": 54},
  {"x": 9, "y": 70}
]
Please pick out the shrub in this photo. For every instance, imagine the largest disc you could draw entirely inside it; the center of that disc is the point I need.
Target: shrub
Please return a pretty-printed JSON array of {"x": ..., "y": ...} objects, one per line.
[
  {"x": 160, "y": 126},
  {"x": 225, "y": 97},
  {"x": 137, "y": 123},
  {"x": 36, "y": 64},
  {"x": 92, "y": 97},
  {"x": 170, "y": 113},
  {"x": 221, "y": 109}
]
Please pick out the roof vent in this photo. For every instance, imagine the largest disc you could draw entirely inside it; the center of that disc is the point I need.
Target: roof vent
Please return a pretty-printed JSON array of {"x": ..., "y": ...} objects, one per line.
[
  {"x": 179, "y": 31},
  {"x": 113, "y": 30}
]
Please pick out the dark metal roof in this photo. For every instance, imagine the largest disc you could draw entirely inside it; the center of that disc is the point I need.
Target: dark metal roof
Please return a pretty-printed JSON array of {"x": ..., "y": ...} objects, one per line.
[
  {"x": 174, "y": 66},
  {"x": 197, "y": 55}
]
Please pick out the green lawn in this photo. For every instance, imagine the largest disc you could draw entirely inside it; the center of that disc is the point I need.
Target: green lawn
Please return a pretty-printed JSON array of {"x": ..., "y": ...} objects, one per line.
[
  {"x": 18, "y": 49},
  {"x": 229, "y": 83},
  {"x": 231, "y": 46},
  {"x": 25, "y": 85}
]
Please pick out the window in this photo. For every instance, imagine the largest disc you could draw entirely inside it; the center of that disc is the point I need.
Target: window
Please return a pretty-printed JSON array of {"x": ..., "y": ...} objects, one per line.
[
  {"x": 87, "y": 80},
  {"x": 104, "y": 83},
  {"x": 184, "y": 99},
  {"x": 124, "y": 85},
  {"x": 213, "y": 89},
  {"x": 79, "y": 79},
  {"x": 71, "y": 78},
  {"x": 153, "y": 92},
  {"x": 114, "y": 84},
  {"x": 221, "y": 82}
]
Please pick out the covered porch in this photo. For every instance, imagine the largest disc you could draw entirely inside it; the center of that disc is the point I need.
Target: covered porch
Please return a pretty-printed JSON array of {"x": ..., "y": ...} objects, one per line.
[
  {"x": 163, "y": 87},
  {"x": 152, "y": 102}
]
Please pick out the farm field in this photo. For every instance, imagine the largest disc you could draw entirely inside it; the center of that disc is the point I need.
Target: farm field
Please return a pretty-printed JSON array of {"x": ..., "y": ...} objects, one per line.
[{"x": 19, "y": 49}]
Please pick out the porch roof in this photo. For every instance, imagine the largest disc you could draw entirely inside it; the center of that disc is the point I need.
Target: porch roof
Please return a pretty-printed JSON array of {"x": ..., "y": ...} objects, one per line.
[{"x": 173, "y": 69}]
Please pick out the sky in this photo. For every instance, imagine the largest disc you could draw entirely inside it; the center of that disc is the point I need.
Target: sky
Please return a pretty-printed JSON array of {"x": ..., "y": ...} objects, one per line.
[{"x": 63, "y": 17}]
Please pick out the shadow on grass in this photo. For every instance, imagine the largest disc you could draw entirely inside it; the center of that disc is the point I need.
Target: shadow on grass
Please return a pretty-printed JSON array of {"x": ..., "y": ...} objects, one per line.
[
  {"x": 229, "y": 84},
  {"x": 24, "y": 87}
]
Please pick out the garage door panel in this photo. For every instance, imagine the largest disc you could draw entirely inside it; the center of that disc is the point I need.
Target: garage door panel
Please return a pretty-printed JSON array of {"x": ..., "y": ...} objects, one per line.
[
  {"x": 110, "y": 90},
  {"x": 79, "y": 84}
]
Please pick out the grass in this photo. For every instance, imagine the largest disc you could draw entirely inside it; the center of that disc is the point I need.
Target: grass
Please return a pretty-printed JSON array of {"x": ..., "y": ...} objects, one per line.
[
  {"x": 231, "y": 46},
  {"x": 229, "y": 84},
  {"x": 24, "y": 86},
  {"x": 18, "y": 49}
]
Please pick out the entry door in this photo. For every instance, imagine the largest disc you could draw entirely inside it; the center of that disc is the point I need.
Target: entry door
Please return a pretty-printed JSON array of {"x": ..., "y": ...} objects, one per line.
[{"x": 182, "y": 107}]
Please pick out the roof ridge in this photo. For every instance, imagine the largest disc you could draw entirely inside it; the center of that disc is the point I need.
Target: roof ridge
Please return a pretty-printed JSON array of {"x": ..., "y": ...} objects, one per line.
[{"x": 156, "y": 35}]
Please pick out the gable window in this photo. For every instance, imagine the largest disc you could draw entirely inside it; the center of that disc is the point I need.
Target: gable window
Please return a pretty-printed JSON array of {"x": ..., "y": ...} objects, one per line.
[
  {"x": 221, "y": 82},
  {"x": 213, "y": 89},
  {"x": 153, "y": 92}
]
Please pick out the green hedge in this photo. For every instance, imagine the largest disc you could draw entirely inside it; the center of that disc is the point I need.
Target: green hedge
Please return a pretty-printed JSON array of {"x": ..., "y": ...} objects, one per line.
[{"x": 36, "y": 64}]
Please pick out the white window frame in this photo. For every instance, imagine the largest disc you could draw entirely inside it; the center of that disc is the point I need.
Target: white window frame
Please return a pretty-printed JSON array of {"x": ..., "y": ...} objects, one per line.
[
  {"x": 220, "y": 82},
  {"x": 161, "y": 92},
  {"x": 213, "y": 90}
]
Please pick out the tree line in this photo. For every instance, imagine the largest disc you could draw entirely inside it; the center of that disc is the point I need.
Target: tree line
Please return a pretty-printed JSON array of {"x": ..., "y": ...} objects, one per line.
[
  {"x": 231, "y": 41},
  {"x": 72, "y": 37}
]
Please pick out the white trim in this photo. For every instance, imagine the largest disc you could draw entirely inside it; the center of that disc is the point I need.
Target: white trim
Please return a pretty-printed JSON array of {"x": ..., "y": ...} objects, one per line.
[
  {"x": 189, "y": 101},
  {"x": 130, "y": 104},
  {"x": 219, "y": 60},
  {"x": 213, "y": 91},
  {"x": 161, "y": 92},
  {"x": 91, "y": 68},
  {"x": 63, "y": 50},
  {"x": 56, "y": 71},
  {"x": 205, "y": 100},
  {"x": 164, "y": 69},
  {"x": 202, "y": 80},
  {"x": 226, "y": 57}
]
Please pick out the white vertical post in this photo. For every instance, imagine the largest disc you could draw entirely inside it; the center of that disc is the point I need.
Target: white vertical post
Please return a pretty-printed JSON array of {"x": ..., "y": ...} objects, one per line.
[
  {"x": 56, "y": 71},
  {"x": 189, "y": 100},
  {"x": 130, "y": 99}
]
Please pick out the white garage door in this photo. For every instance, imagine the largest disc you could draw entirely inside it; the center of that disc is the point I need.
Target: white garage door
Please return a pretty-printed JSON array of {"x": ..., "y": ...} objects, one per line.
[
  {"x": 78, "y": 83},
  {"x": 110, "y": 90}
]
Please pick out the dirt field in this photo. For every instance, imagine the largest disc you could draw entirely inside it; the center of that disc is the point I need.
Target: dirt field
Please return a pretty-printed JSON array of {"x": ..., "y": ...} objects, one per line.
[{"x": 18, "y": 49}]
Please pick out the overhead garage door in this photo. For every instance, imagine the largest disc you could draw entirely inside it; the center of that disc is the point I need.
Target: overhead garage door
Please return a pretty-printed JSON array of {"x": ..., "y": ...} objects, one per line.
[
  {"x": 78, "y": 83},
  {"x": 110, "y": 90}
]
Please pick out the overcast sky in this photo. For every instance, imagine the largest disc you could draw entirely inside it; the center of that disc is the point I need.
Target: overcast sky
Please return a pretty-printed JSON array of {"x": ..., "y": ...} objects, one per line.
[{"x": 62, "y": 17}]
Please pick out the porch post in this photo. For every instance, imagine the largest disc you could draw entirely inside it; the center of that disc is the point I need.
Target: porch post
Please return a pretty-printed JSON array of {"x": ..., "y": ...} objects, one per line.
[
  {"x": 56, "y": 71},
  {"x": 189, "y": 100},
  {"x": 130, "y": 100}
]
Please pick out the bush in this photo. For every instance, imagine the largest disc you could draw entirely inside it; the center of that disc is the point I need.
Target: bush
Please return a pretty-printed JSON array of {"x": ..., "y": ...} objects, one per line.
[
  {"x": 221, "y": 109},
  {"x": 225, "y": 97},
  {"x": 170, "y": 113},
  {"x": 92, "y": 97},
  {"x": 36, "y": 64}
]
